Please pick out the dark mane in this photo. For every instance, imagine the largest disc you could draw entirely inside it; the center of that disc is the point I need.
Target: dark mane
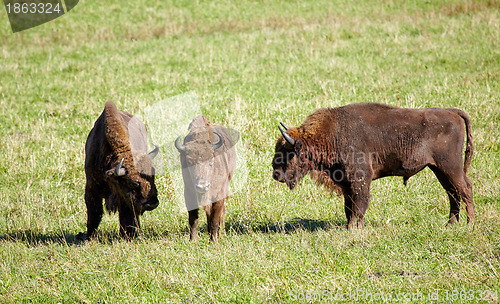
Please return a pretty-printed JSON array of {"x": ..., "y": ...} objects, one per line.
[{"x": 317, "y": 137}]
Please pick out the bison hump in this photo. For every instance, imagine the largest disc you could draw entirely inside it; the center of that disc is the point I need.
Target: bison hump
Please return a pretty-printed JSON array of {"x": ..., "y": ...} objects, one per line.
[{"x": 115, "y": 130}]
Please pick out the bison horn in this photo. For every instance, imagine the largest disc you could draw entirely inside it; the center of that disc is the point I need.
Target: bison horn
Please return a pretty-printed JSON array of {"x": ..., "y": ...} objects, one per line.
[
  {"x": 178, "y": 145},
  {"x": 119, "y": 171},
  {"x": 287, "y": 137},
  {"x": 284, "y": 126},
  {"x": 153, "y": 153},
  {"x": 220, "y": 142}
]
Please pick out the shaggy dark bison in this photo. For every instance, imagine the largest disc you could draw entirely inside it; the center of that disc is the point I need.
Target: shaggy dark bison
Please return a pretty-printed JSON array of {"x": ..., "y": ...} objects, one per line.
[
  {"x": 348, "y": 147},
  {"x": 208, "y": 160},
  {"x": 118, "y": 170}
]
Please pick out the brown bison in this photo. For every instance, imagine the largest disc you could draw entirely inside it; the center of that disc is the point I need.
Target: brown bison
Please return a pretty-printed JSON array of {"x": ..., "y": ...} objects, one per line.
[
  {"x": 208, "y": 160},
  {"x": 118, "y": 169},
  {"x": 347, "y": 147}
]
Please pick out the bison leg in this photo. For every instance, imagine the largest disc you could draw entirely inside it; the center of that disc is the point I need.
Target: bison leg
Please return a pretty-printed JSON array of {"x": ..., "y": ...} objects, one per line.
[
  {"x": 454, "y": 207},
  {"x": 469, "y": 203},
  {"x": 458, "y": 187},
  {"x": 129, "y": 221},
  {"x": 357, "y": 198},
  {"x": 215, "y": 217},
  {"x": 348, "y": 206},
  {"x": 193, "y": 222},
  {"x": 94, "y": 212}
]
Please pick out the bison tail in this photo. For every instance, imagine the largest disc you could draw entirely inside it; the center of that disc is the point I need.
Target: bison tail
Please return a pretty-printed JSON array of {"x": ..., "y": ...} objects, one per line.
[{"x": 469, "y": 150}]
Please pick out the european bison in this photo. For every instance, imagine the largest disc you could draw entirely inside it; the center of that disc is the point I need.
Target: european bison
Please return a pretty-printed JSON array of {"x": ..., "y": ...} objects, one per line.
[
  {"x": 118, "y": 169},
  {"x": 348, "y": 147},
  {"x": 208, "y": 160}
]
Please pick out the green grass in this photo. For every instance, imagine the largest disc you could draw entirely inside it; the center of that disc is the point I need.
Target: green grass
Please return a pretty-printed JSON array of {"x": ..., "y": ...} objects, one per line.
[{"x": 252, "y": 64}]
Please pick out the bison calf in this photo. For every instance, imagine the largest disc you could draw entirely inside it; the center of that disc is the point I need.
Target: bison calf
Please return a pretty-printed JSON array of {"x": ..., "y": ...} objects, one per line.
[
  {"x": 348, "y": 147},
  {"x": 118, "y": 170},
  {"x": 208, "y": 160}
]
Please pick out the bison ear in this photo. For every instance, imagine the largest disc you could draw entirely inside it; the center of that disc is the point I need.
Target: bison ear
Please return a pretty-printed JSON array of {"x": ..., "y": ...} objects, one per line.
[{"x": 298, "y": 146}]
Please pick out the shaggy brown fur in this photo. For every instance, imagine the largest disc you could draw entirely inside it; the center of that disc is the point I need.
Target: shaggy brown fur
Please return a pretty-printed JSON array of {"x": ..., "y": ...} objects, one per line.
[
  {"x": 206, "y": 171},
  {"x": 358, "y": 143},
  {"x": 131, "y": 193}
]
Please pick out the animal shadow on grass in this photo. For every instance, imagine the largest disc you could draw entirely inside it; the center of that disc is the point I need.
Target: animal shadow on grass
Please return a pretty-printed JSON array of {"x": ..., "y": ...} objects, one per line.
[
  {"x": 33, "y": 238},
  {"x": 287, "y": 227},
  {"x": 62, "y": 237},
  {"x": 56, "y": 237}
]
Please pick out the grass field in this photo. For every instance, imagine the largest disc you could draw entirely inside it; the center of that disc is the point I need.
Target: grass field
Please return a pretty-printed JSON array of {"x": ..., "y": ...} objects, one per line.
[{"x": 252, "y": 64}]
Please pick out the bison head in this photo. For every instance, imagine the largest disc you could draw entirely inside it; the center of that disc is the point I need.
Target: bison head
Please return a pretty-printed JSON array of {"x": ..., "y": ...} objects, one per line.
[
  {"x": 288, "y": 166},
  {"x": 133, "y": 181},
  {"x": 198, "y": 158}
]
